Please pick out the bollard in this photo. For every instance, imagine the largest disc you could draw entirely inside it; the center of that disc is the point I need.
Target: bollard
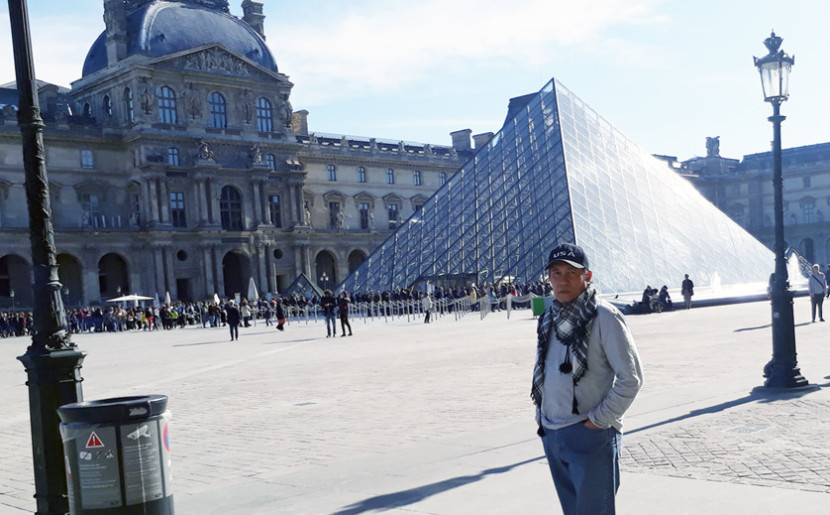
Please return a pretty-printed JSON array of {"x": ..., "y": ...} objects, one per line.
[{"x": 117, "y": 454}]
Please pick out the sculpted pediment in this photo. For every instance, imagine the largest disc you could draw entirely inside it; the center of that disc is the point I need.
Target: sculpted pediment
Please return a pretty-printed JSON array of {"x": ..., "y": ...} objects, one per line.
[{"x": 215, "y": 59}]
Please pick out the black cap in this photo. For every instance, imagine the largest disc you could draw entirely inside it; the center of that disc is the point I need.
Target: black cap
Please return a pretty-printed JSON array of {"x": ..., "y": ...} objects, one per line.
[{"x": 568, "y": 253}]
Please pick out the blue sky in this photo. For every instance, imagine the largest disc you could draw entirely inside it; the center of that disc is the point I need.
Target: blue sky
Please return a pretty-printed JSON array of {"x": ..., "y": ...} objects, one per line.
[{"x": 668, "y": 73}]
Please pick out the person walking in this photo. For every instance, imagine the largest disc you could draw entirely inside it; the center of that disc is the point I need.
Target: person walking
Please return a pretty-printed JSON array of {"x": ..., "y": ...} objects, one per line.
[
  {"x": 818, "y": 287},
  {"x": 329, "y": 303},
  {"x": 280, "y": 314},
  {"x": 233, "y": 317},
  {"x": 426, "y": 303},
  {"x": 245, "y": 312},
  {"x": 586, "y": 376},
  {"x": 343, "y": 308},
  {"x": 687, "y": 289}
]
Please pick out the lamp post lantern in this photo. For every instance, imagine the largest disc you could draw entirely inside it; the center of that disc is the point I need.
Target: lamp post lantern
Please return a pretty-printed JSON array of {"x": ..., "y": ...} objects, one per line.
[
  {"x": 324, "y": 280},
  {"x": 782, "y": 371},
  {"x": 53, "y": 364}
]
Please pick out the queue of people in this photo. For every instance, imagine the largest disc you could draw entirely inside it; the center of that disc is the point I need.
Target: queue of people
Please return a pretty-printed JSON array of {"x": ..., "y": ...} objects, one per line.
[{"x": 334, "y": 308}]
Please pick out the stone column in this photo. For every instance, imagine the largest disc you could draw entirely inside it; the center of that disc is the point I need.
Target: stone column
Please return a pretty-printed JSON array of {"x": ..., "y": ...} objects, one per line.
[
  {"x": 159, "y": 271},
  {"x": 201, "y": 198},
  {"x": 256, "y": 205},
  {"x": 91, "y": 282},
  {"x": 220, "y": 276},
  {"x": 154, "y": 202},
  {"x": 208, "y": 267},
  {"x": 299, "y": 215},
  {"x": 170, "y": 276},
  {"x": 165, "y": 202},
  {"x": 213, "y": 198},
  {"x": 298, "y": 260},
  {"x": 262, "y": 249},
  {"x": 263, "y": 203},
  {"x": 267, "y": 268},
  {"x": 146, "y": 209},
  {"x": 306, "y": 260},
  {"x": 289, "y": 190}
]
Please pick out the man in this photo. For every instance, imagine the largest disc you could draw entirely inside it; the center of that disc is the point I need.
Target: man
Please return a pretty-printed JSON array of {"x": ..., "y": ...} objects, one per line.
[
  {"x": 817, "y": 290},
  {"x": 426, "y": 303},
  {"x": 329, "y": 303},
  {"x": 687, "y": 289},
  {"x": 586, "y": 376},
  {"x": 233, "y": 317}
]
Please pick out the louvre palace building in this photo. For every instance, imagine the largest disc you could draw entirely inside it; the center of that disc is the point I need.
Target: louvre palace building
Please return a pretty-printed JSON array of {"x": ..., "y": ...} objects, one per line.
[
  {"x": 178, "y": 165},
  {"x": 743, "y": 189}
]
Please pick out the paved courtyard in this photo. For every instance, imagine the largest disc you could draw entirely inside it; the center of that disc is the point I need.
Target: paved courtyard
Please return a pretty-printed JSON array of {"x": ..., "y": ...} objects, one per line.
[{"x": 416, "y": 418}]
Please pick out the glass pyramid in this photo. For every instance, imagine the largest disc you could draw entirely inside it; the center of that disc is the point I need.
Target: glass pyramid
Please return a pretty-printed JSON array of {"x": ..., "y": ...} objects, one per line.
[{"x": 557, "y": 172}]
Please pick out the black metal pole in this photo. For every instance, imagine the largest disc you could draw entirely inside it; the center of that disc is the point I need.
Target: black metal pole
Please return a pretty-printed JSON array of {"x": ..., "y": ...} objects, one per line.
[
  {"x": 53, "y": 365},
  {"x": 782, "y": 371}
]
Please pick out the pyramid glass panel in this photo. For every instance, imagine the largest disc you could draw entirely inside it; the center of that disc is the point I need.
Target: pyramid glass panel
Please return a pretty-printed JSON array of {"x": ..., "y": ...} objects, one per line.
[{"x": 558, "y": 172}]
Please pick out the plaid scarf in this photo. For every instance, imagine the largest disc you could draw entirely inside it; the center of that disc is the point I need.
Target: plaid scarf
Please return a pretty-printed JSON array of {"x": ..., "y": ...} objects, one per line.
[{"x": 570, "y": 321}]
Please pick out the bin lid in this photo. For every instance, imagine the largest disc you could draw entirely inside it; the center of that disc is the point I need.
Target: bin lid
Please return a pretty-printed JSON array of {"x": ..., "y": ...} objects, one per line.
[{"x": 118, "y": 409}]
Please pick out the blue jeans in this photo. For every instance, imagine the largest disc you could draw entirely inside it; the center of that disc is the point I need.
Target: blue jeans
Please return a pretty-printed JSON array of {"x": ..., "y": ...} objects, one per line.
[
  {"x": 333, "y": 327},
  {"x": 584, "y": 464}
]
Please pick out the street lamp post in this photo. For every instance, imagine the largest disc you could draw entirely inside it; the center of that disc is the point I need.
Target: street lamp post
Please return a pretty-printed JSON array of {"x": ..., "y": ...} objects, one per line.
[
  {"x": 782, "y": 371},
  {"x": 324, "y": 280},
  {"x": 11, "y": 294},
  {"x": 53, "y": 364}
]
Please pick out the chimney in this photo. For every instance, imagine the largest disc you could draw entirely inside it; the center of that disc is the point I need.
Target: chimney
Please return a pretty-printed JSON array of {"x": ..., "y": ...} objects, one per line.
[
  {"x": 482, "y": 139},
  {"x": 115, "y": 18},
  {"x": 461, "y": 140},
  {"x": 252, "y": 15},
  {"x": 299, "y": 123}
]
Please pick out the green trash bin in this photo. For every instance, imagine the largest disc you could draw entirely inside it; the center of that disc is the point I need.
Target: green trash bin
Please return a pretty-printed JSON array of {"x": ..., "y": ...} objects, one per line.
[
  {"x": 117, "y": 454},
  {"x": 537, "y": 304}
]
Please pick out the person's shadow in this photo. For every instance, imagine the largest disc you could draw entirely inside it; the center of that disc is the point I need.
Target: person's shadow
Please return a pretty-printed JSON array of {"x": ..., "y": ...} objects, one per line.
[{"x": 413, "y": 495}]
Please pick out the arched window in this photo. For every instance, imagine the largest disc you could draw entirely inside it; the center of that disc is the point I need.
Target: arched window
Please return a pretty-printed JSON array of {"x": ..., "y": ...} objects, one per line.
[
  {"x": 173, "y": 156},
  {"x": 264, "y": 115},
  {"x": 128, "y": 104},
  {"x": 167, "y": 105},
  {"x": 106, "y": 105},
  {"x": 230, "y": 209},
  {"x": 218, "y": 111},
  {"x": 87, "y": 109}
]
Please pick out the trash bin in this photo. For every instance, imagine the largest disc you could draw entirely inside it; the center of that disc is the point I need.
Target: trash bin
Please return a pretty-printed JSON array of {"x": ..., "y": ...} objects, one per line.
[
  {"x": 117, "y": 454},
  {"x": 537, "y": 305}
]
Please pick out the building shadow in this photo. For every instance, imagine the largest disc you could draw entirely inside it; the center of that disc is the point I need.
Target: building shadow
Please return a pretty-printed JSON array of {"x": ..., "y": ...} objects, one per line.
[{"x": 414, "y": 495}]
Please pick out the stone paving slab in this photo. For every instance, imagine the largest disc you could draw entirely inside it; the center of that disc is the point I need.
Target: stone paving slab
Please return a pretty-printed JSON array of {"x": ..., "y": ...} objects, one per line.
[{"x": 415, "y": 418}]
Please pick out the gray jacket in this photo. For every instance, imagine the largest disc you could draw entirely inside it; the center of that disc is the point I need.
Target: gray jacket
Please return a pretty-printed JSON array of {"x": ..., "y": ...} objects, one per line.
[
  {"x": 612, "y": 380},
  {"x": 816, "y": 282}
]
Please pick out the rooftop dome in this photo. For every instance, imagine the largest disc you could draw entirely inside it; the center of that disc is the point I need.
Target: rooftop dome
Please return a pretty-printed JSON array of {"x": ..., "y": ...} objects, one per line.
[{"x": 162, "y": 28}]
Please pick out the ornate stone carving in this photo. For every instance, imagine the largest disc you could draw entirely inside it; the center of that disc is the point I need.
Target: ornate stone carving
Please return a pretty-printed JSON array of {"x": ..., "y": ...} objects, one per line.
[
  {"x": 713, "y": 146},
  {"x": 194, "y": 102},
  {"x": 145, "y": 95},
  {"x": 204, "y": 152},
  {"x": 217, "y": 61}
]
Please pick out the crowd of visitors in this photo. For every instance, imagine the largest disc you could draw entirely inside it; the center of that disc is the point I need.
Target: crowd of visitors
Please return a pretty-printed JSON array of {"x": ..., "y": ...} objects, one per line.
[{"x": 116, "y": 318}]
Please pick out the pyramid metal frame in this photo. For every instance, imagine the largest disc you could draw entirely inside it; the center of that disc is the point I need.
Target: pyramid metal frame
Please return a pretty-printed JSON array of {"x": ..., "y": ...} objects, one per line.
[{"x": 558, "y": 172}]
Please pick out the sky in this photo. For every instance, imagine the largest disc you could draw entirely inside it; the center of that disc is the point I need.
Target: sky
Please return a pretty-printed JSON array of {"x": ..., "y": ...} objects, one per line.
[{"x": 668, "y": 73}]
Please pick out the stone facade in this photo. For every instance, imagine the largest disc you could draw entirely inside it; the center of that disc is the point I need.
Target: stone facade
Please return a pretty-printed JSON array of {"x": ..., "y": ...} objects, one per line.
[
  {"x": 743, "y": 190},
  {"x": 189, "y": 173}
]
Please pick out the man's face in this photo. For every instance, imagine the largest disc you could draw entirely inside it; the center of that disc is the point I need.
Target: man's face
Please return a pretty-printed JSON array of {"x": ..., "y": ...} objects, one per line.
[{"x": 568, "y": 282}]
